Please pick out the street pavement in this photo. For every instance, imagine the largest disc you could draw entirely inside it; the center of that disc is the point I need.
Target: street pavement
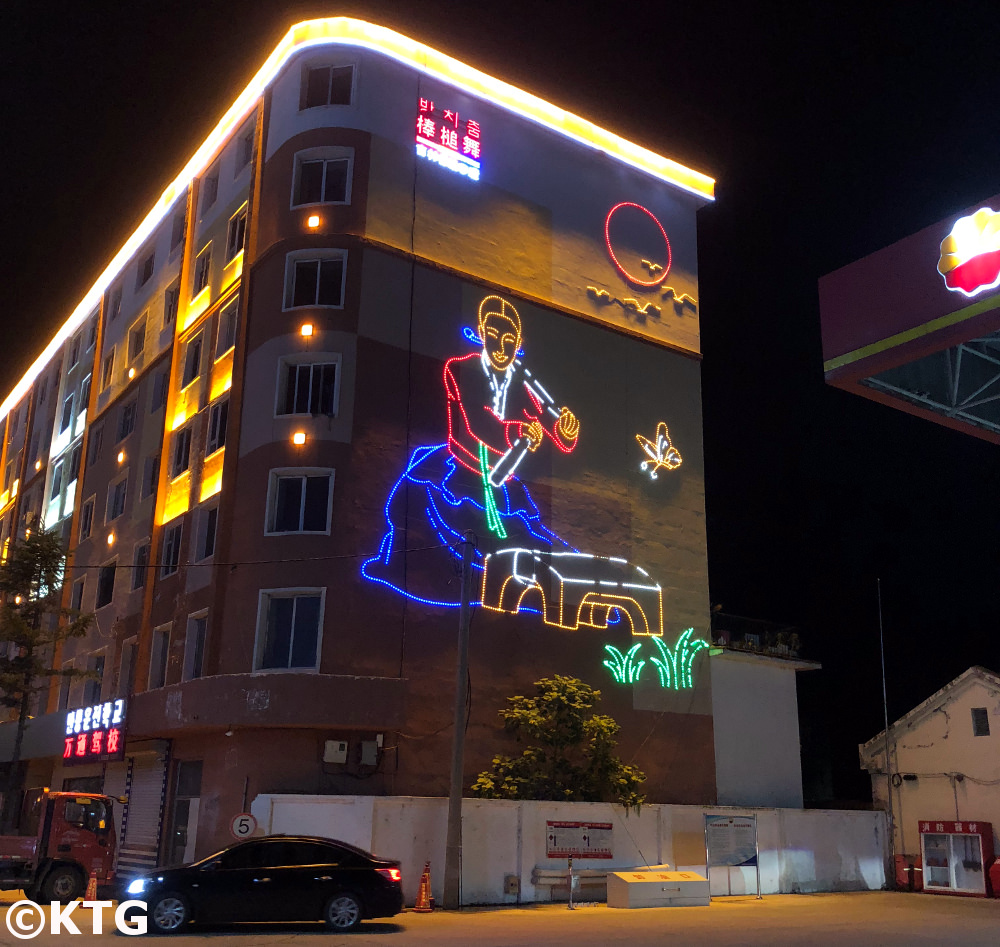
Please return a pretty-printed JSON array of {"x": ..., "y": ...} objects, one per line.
[{"x": 863, "y": 919}]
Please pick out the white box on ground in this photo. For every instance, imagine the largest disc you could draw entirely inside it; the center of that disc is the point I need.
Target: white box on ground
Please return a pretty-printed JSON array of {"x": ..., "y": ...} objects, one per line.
[{"x": 657, "y": 889}]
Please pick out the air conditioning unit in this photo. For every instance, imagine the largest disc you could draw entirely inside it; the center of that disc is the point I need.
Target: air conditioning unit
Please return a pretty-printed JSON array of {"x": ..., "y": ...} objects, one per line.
[{"x": 335, "y": 751}]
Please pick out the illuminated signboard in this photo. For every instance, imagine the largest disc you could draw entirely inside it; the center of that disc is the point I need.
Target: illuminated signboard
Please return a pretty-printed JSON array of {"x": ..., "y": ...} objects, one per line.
[
  {"x": 970, "y": 254},
  {"x": 447, "y": 139},
  {"x": 95, "y": 733}
]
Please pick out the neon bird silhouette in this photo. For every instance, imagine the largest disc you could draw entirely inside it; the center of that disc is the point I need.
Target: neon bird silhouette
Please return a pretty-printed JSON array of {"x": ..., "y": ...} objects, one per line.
[{"x": 660, "y": 451}]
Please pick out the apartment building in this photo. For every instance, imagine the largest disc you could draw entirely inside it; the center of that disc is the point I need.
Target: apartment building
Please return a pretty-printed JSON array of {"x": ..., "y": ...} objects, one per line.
[{"x": 389, "y": 300}]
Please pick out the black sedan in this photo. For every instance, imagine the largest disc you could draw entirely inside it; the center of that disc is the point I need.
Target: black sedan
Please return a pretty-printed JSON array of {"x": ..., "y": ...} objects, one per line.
[{"x": 274, "y": 878}]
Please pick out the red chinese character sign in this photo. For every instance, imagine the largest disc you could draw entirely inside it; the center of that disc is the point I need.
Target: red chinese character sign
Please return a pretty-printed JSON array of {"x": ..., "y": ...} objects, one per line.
[
  {"x": 95, "y": 733},
  {"x": 446, "y": 138}
]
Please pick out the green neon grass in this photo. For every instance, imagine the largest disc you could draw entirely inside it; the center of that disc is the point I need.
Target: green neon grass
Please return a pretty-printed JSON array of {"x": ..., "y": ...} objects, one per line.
[
  {"x": 674, "y": 666},
  {"x": 493, "y": 520},
  {"x": 622, "y": 666}
]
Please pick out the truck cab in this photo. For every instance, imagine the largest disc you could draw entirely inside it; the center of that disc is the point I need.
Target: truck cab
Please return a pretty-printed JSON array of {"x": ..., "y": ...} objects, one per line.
[{"x": 63, "y": 839}]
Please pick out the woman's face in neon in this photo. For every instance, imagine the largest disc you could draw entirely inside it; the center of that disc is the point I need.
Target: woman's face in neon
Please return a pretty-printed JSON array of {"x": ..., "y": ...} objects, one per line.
[{"x": 501, "y": 339}]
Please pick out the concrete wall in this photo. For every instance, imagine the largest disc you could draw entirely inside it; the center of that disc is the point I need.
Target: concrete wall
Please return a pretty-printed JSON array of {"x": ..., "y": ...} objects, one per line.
[
  {"x": 756, "y": 719},
  {"x": 800, "y": 850}
]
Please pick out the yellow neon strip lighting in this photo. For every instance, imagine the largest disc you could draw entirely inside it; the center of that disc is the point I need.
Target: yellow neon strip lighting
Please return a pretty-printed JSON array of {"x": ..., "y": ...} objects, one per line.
[
  {"x": 351, "y": 32},
  {"x": 908, "y": 335}
]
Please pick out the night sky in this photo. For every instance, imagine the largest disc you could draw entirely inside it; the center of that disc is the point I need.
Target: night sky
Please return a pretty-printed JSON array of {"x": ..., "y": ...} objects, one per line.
[{"x": 832, "y": 130}]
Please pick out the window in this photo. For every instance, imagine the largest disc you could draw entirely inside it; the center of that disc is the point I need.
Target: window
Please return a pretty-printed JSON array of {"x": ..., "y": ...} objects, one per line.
[
  {"x": 194, "y": 646},
  {"x": 137, "y": 339},
  {"x": 84, "y": 393},
  {"x": 202, "y": 267},
  {"x": 57, "y": 478},
  {"x": 76, "y": 596},
  {"x": 74, "y": 353},
  {"x": 192, "y": 361},
  {"x": 181, "y": 458},
  {"x": 980, "y": 722},
  {"x": 140, "y": 563},
  {"x": 74, "y": 463},
  {"x": 209, "y": 188},
  {"x": 236, "y": 234},
  {"x": 171, "y": 300},
  {"x": 244, "y": 149},
  {"x": 15, "y": 420},
  {"x": 108, "y": 369},
  {"x": 64, "y": 685},
  {"x": 227, "y": 329},
  {"x": 92, "y": 332},
  {"x": 316, "y": 282},
  {"x": 115, "y": 304},
  {"x": 96, "y": 445},
  {"x": 116, "y": 499},
  {"x": 106, "y": 584},
  {"x": 207, "y": 527},
  {"x": 308, "y": 388},
  {"x": 86, "y": 518},
  {"x": 126, "y": 420},
  {"x": 43, "y": 390},
  {"x": 290, "y": 632},
  {"x": 218, "y": 419},
  {"x": 145, "y": 271},
  {"x": 126, "y": 674},
  {"x": 67, "y": 414},
  {"x": 158, "y": 657},
  {"x": 171, "y": 550},
  {"x": 322, "y": 181},
  {"x": 94, "y": 685},
  {"x": 299, "y": 501},
  {"x": 150, "y": 475},
  {"x": 326, "y": 85},
  {"x": 161, "y": 385},
  {"x": 177, "y": 228}
]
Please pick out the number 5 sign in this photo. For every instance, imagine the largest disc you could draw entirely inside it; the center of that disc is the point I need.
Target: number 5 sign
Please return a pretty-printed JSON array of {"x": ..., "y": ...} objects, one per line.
[{"x": 243, "y": 826}]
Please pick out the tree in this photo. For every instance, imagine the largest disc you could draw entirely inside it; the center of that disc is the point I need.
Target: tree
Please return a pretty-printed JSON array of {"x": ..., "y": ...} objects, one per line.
[
  {"x": 570, "y": 756},
  {"x": 32, "y": 626}
]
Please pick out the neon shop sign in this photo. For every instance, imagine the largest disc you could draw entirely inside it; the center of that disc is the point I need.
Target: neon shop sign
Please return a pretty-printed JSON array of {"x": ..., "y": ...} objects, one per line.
[
  {"x": 970, "y": 254},
  {"x": 445, "y": 138},
  {"x": 95, "y": 733}
]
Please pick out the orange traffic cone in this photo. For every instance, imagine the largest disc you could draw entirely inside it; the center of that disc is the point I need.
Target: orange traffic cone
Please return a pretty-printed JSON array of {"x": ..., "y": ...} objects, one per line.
[
  {"x": 91, "y": 894},
  {"x": 423, "y": 905}
]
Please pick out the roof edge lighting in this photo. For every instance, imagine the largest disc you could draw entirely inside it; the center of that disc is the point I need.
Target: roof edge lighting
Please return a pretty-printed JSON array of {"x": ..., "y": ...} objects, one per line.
[{"x": 353, "y": 32}]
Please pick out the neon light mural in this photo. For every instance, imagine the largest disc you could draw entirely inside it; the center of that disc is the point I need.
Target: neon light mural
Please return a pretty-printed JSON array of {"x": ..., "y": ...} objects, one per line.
[
  {"x": 499, "y": 415},
  {"x": 674, "y": 666},
  {"x": 447, "y": 140},
  {"x": 655, "y": 268},
  {"x": 660, "y": 453}
]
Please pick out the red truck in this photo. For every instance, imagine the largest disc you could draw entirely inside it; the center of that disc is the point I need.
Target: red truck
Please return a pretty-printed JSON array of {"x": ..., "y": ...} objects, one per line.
[{"x": 63, "y": 838}]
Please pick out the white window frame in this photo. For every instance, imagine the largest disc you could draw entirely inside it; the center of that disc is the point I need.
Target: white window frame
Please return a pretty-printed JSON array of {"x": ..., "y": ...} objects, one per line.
[
  {"x": 320, "y": 64},
  {"x": 174, "y": 568},
  {"x": 165, "y": 630},
  {"x": 232, "y": 254},
  {"x": 141, "y": 322},
  {"x": 122, "y": 482},
  {"x": 113, "y": 565},
  {"x": 306, "y": 358},
  {"x": 108, "y": 370},
  {"x": 202, "y": 532},
  {"x": 212, "y": 437},
  {"x": 211, "y": 175},
  {"x": 140, "y": 278},
  {"x": 190, "y": 644},
  {"x": 264, "y": 597},
  {"x": 278, "y": 473},
  {"x": 231, "y": 313},
  {"x": 130, "y": 647},
  {"x": 91, "y": 501},
  {"x": 135, "y": 568},
  {"x": 181, "y": 433},
  {"x": 309, "y": 256},
  {"x": 202, "y": 270},
  {"x": 327, "y": 153},
  {"x": 171, "y": 301},
  {"x": 198, "y": 340}
]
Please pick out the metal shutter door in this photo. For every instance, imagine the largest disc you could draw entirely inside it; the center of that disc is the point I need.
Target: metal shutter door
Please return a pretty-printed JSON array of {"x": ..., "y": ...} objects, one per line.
[{"x": 144, "y": 817}]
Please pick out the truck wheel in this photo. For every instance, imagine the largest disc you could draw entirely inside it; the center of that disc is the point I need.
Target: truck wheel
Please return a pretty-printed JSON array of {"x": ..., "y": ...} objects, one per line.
[
  {"x": 63, "y": 884},
  {"x": 33, "y": 893}
]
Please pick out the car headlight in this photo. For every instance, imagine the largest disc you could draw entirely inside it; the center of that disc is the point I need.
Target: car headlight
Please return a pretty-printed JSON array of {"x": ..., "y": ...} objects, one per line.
[{"x": 137, "y": 886}]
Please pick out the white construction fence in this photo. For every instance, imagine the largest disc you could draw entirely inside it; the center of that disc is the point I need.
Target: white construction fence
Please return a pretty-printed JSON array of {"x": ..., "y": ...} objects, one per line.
[{"x": 801, "y": 850}]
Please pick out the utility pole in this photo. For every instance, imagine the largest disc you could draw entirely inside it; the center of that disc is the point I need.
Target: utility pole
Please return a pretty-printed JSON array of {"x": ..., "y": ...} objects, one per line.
[
  {"x": 888, "y": 759},
  {"x": 453, "y": 850}
]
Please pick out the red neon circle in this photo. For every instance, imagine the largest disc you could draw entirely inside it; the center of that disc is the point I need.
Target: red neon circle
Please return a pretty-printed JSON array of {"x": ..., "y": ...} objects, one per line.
[{"x": 611, "y": 253}]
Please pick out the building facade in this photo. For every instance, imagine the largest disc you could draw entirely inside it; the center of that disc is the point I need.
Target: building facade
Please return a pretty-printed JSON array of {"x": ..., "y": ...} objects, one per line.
[{"x": 389, "y": 301}]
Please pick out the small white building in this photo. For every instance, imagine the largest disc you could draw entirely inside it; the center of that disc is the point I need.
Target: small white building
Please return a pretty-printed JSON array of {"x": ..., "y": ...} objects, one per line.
[
  {"x": 944, "y": 759},
  {"x": 756, "y": 721}
]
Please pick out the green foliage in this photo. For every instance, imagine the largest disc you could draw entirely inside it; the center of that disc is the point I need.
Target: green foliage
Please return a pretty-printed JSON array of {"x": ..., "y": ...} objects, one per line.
[
  {"x": 570, "y": 756},
  {"x": 32, "y": 622}
]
